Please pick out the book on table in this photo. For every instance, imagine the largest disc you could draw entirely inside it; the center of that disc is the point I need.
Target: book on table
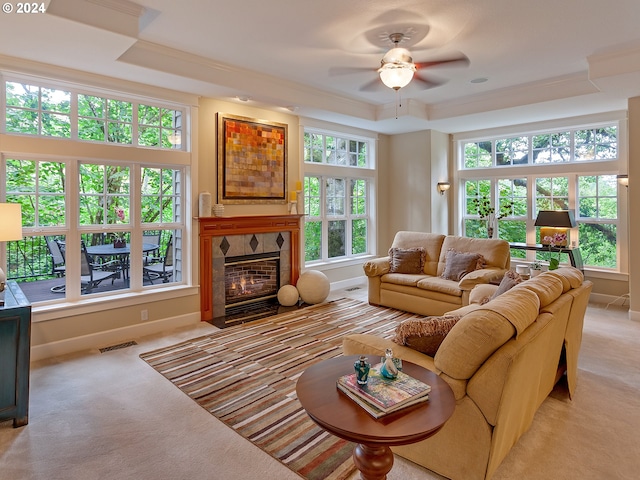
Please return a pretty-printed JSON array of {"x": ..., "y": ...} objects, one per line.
[{"x": 380, "y": 395}]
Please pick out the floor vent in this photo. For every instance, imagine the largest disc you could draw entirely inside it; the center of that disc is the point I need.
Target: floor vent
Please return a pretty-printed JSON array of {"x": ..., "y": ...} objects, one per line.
[
  {"x": 117, "y": 347},
  {"x": 352, "y": 289}
]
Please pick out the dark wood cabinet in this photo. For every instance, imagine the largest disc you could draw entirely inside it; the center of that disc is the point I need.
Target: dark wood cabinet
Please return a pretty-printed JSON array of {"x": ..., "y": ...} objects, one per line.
[{"x": 15, "y": 346}]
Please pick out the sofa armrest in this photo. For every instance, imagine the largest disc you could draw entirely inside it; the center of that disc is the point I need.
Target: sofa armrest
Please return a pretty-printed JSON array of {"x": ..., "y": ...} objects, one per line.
[
  {"x": 477, "y": 277},
  {"x": 376, "y": 267}
]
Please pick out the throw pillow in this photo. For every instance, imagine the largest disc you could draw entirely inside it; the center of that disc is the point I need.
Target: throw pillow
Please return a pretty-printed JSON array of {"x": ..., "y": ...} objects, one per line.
[
  {"x": 458, "y": 264},
  {"x": 407, "y": 260},
  {"x": 425, "y": 334},
  {"x": 510, "y": 280}
]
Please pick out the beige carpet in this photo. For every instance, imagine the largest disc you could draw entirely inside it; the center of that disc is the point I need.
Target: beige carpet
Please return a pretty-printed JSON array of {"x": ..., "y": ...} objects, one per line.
[{"x": 98, "y": 416}]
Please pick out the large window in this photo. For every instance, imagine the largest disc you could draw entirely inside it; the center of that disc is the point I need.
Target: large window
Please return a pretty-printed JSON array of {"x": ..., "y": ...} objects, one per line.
[
  {"x": 506, "y": 180},
  {"x": 106, "y": 222},
  {"x": 338, "y": 190},
  {"x": 68, "y": 113}
]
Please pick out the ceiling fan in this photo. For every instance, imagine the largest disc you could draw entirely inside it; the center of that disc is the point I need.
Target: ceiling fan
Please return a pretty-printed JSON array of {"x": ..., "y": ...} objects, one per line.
[{"x": 397, "y": 68}]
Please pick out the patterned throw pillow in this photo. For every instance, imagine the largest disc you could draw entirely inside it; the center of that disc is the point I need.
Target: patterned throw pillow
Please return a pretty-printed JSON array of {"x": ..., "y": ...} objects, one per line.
[
  {"x": 458, "y": 264},
  {"x": 425, "y": 334},
  {"x": 510, "y": 280},
  {"x": 407, "y": 260}
]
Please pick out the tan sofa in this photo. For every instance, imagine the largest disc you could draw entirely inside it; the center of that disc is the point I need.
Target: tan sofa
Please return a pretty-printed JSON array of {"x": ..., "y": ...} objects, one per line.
[
  {"x": 428, "y": 293},
  {"x": 502, "y": 360}
]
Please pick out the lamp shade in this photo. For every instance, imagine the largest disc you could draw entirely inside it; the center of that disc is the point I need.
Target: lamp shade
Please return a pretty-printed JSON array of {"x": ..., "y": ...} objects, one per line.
[
  {"x": 10, "y": 222},
  {"x": 555, "y": 218}
]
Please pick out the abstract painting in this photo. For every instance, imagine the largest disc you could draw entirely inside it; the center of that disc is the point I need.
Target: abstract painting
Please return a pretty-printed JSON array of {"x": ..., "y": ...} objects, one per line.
[{"x": 252, "y": 160}]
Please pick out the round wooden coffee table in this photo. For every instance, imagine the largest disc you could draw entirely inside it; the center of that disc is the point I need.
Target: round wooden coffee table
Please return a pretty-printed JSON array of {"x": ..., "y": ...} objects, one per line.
[{"x": 341, "y": 416}]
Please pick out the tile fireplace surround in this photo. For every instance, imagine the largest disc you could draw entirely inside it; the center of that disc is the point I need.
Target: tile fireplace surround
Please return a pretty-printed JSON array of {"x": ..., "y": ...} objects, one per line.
[{"x": 225, "y": 237}]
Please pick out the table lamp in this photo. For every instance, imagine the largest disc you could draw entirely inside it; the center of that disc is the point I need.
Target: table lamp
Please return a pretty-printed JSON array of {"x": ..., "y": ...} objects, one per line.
[
  {"x": 10, "y": 229},
  {"x": 555, "y": 221}
]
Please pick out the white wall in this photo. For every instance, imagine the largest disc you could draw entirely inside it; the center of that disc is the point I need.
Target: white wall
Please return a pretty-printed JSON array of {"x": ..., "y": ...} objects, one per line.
[{"x": 634, "y": 199}]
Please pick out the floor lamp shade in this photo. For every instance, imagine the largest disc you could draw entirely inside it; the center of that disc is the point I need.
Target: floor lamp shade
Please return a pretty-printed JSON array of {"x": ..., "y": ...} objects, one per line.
[
  {"x": 10, "y": 222},
  {"x": 10, "y": 229}
]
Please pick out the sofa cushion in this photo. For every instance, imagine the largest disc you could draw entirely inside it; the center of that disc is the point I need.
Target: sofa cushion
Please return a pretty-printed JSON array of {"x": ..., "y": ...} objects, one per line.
[
  {"x": 571, "y": 277},
  {"x": 440, "y": 285},
  {"x": 408, "y": 279},
  {"x": 546, "y": 286},
  {"x": 424, "y": 334},
  {"x": 458, "y": 264},
  {"x": 431, "y": 242},
  {"x": 406, "y": 260},
  {"x": 471, "y": 341},
  {"x": 520, "y": 306},
  {"x": 496, "y": 252}
]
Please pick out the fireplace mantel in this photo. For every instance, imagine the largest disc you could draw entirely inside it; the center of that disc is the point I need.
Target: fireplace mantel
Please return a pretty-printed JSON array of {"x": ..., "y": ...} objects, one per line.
[{"x": 210, "y": 227}]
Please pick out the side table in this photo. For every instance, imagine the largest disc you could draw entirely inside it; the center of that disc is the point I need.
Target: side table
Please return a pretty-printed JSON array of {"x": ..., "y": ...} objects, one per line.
[
  {"x": 341, "y": 416},
  {"x": 15, "y": 349},
  {"x": 574, "y": 253}
]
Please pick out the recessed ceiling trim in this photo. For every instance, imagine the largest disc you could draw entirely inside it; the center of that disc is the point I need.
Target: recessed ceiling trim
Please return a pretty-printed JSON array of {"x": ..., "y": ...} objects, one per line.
[
  {"x": 526, "y": 94},
  {"x": 124, "y": 6},
  {"x": 614, "y": 63},
  {"x": 73, "y": 78},
  {"x": 263, "y": 88},
  {"x": 117, "y": 16}
]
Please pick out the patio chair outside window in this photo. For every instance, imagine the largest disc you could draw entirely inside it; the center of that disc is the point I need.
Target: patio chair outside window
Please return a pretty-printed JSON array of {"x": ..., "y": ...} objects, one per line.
[
  {"x": 164, "y": 269},
  {"x": 92, "y": 275},
  {"x": 152, "y": 239},
  {"x": 59, "y": 267}
]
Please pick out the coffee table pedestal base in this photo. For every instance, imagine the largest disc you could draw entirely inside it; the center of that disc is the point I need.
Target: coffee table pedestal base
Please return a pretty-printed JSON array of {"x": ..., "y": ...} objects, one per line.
[{"x": 374, "y": 462}]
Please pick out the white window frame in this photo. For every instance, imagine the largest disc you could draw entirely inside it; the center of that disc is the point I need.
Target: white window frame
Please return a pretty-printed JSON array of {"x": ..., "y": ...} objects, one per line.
[
  {"x": 324, "y": 171},
  {"x": 572, "y": 169},
  {"x": 180, "y": 132},
  {"x": 73, "y": 151}
]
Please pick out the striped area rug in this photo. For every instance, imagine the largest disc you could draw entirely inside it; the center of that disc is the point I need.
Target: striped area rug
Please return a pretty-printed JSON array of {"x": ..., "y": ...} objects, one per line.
[{"x": 246, "y": 376}]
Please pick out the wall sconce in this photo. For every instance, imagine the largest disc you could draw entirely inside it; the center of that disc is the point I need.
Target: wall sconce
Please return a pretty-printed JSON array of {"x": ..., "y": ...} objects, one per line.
[
  {"x": 443, "y": 187},
  {"x": 623, "y": 180},
  {"x": 10, "y": 229}
]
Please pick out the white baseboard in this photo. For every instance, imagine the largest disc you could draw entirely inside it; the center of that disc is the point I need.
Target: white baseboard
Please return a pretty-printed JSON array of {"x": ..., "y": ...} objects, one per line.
[
  {"x": 350, "y": 282},
  {"x": 600, "y": 298},
  {"x": 111, "y": 337}
]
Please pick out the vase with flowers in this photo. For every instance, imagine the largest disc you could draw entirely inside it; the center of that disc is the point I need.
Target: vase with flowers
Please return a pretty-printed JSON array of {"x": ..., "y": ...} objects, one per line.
[
  {"x": 557, "y": 240},
  {"x": 487, "y": 212},
  {"x": 119, "y": 241}
]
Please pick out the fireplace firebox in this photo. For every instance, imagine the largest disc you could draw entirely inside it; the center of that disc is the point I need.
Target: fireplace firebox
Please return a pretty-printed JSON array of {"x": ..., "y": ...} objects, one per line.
[{"x": 251, "y": 279}]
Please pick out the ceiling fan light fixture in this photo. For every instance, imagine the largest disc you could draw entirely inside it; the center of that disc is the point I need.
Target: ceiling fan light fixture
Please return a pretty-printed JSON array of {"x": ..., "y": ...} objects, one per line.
[
  {"x": 397, "y": 68},
  {"x": 396, "y": 76}
]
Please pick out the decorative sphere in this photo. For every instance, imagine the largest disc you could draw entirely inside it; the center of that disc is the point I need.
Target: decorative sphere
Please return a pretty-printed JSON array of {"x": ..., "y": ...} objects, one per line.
[
  {"x": 313, "y": 286},
  {"x": 288, "y": 295}
]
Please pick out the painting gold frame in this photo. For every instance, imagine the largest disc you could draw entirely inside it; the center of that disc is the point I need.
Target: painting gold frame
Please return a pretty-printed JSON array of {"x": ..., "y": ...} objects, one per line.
[{"x": 252, "y": 160}]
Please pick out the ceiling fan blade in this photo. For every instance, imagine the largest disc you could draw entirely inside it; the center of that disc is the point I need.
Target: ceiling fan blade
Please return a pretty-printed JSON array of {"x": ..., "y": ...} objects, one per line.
[
  {"x": 372, "y": 86},
  {"x": 425, "y": 83},
  {"x": 461, "y": 60},
  {"x": 333, "y": 71}
]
